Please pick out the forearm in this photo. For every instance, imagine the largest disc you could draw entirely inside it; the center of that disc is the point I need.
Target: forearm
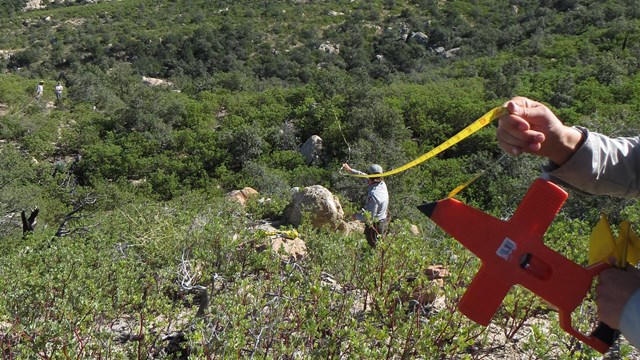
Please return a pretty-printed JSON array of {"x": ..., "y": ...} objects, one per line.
[
  {"x": 630, "y": 320},
  {"x": 602, "y": 165}
]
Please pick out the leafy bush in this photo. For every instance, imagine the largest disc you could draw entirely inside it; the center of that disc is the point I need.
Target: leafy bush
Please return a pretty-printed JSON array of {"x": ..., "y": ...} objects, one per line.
[
  {"x": 131, "y": 179},
  {"x": 24, "y": 58}
]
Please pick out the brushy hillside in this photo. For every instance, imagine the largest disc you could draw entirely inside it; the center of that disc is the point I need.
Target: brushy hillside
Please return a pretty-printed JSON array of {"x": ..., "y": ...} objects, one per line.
[{"x": 138, "y": 253}]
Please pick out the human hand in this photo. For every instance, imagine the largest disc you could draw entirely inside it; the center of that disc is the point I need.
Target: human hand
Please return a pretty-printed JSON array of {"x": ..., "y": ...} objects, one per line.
[
  {"x": 531, "y": 127},
  {"x": 346, "y": 167},
  {"x": 614, "y": 289}
]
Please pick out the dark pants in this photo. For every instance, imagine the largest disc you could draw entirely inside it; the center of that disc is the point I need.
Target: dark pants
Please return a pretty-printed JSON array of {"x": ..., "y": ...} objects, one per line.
[{"x": 371, "y": 232}]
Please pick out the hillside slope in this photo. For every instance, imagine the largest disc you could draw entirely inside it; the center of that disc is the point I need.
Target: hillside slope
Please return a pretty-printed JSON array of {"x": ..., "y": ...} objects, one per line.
[{"x": 138, "y": 254}]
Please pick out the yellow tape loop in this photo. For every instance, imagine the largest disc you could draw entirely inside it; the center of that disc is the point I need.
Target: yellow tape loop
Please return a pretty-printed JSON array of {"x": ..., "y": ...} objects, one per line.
[{"x": 475, "y": 126}]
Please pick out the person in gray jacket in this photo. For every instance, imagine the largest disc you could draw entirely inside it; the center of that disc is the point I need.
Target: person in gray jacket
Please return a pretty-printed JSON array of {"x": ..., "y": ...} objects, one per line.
[
  {"x": 377, "y": 204},
  {"x": 593, "y": 163}
]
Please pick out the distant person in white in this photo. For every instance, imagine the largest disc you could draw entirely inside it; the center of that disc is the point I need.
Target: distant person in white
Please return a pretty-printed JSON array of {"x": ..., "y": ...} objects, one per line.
[
  {"x": 39, "y": 90},
  {"x": 58, "y": 91}
]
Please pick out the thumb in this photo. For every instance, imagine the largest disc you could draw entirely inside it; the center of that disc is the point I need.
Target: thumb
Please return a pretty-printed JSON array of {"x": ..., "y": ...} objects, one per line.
[
  {"x": 514, "y": 109},
  {"x": 529, "y": 110},
  {"x": 523, "y": 107},
  {"x": 520, "y": 113}
]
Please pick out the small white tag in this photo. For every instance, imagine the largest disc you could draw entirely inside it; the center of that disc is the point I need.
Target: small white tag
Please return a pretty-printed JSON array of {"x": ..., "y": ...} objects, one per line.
[{"x": 507, "y": 248}]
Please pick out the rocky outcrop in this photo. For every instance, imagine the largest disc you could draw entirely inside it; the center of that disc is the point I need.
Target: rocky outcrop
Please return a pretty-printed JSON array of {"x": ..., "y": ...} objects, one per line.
[
  {"x": 316, "y": 202},
  {"x": 241, "y": 196},
  {"x": 156, "y": 82},
  {"x": 6, "y": 54},
  {"x": 421, "y": 38},
  {"x": 348, "y": 227},
  {"x": 34, "y": 5},
  {"x": 330, "y": 48},
  {"x": 288, "y": 247},
  {"x": 447, "y": 54},
  {"x": 41, "y": 4},
  {"x": 311, "y": 150},
  {"x": 286, "y": 243}
]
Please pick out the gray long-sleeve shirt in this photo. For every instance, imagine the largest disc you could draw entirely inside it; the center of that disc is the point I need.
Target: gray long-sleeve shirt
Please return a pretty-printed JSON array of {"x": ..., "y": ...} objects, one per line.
[
  {"x": 611, "y": 166},
  {"x": 377, "y": 200},
  {"x": 602, "y": 166}
]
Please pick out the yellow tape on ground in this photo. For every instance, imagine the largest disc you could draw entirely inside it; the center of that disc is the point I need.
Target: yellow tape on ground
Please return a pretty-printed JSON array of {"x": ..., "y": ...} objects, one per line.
[{"x": 475, "y": 126}]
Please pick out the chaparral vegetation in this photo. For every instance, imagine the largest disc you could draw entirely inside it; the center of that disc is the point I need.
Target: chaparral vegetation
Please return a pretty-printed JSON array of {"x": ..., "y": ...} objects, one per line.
[{"x": 119, "y": 237}]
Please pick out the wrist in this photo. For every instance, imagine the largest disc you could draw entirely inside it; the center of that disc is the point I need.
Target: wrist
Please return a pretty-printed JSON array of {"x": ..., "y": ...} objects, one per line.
[{"x": 569, "y": 141}]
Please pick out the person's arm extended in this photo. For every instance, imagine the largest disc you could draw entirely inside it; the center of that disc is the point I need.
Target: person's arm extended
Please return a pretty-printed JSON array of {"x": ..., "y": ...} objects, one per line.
[
  {"x": 352, "y": 170},
  {"x": 590, "y": 162},
  {"x": 602, "y": 165}
]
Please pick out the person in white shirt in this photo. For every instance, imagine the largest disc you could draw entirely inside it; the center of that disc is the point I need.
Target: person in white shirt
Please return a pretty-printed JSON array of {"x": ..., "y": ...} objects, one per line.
[
  {"x": 39, "y": 90},
  {"x": 58, "y": 91}
]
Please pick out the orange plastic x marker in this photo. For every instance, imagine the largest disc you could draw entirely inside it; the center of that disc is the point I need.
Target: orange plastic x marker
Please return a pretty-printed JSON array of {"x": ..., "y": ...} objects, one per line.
[{"x": 513, "y": 253}]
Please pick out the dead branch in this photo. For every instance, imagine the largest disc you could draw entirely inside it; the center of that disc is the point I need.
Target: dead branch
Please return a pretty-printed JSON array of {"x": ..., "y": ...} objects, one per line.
[
  {"x": 72, "y": 215},
  {"x": 28, "y": 224},
  {"x": 186, "y": 284}
]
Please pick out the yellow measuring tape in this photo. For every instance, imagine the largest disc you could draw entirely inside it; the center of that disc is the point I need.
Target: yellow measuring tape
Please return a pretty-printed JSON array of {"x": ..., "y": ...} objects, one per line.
[
  {"x": 459, "y": 188},
  {"x": 475, "y": 126}
]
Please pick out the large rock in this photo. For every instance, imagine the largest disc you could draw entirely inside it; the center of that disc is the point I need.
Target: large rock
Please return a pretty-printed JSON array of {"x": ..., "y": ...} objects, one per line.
[
  {"x": 421, "y": 38},
  {"x": 288, "y": 247},
  {"x": 156, "y": 82},
  {"x": 241, "y": 196},
  {"x": 311, "y": 149},
  {"x": 322, "y": 207},
  {"x": 348, "y": 227},
  {"x": 329, "y": 48},
  {"x": 34, "y": 5}
]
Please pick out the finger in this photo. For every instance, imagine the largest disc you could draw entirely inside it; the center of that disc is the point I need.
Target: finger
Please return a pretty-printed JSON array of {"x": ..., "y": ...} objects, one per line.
[
  {"x": 508, "y": 139},
  {"x": 530, "y": 110},
  {"x": 514, "y": 121},
  {"x": 528, "y": 119},
  {"x": 514, "y": 132},
  {"x": 511, "y": 149}
]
